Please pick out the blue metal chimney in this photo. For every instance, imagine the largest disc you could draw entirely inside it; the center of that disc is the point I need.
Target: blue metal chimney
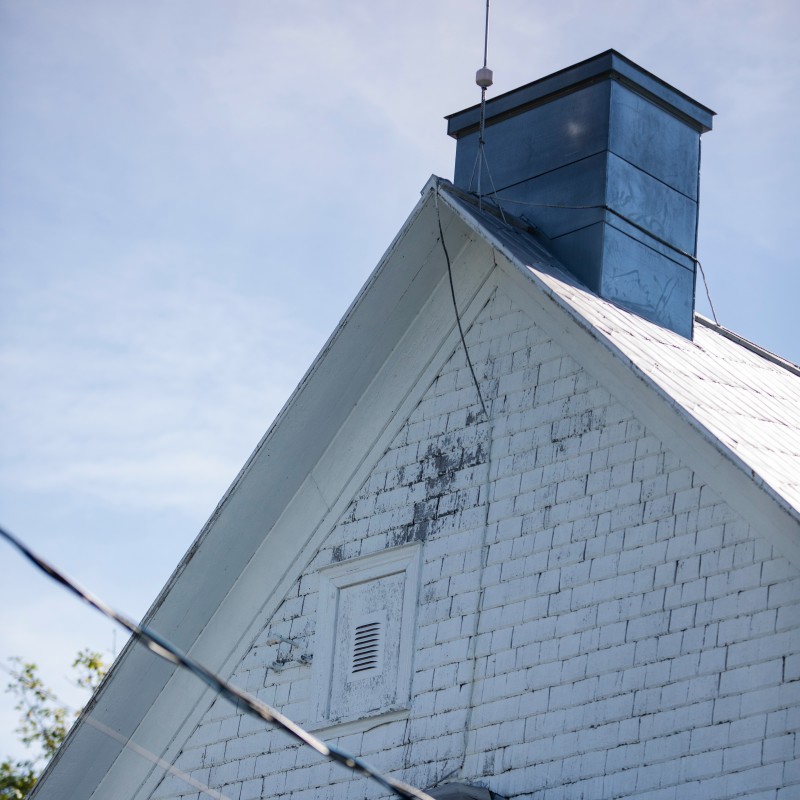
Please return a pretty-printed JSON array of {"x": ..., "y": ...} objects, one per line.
[{"x": 604, "y": 159}]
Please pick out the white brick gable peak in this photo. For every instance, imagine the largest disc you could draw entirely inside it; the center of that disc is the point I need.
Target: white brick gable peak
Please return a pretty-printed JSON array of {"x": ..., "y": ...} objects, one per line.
[{"x": 372, "y": 372}]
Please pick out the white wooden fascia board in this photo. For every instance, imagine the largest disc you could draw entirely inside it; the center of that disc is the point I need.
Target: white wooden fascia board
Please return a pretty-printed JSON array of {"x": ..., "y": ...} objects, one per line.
[
  {"x": 433, "y": 330},
  {"x": 196, "y": 704},
  {"x": 667, "y": 419},
  {"x": 284, "y": 415},
  {"x": 419, "y": 338}
]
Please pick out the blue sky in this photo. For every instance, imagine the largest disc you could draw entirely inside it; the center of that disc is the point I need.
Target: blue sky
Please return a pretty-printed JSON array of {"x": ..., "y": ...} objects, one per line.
[{"x": 194, "y": 191}]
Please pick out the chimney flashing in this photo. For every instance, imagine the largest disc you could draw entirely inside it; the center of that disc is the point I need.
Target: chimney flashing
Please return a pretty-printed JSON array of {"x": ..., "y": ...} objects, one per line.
[{"x": 608, "y": 65}]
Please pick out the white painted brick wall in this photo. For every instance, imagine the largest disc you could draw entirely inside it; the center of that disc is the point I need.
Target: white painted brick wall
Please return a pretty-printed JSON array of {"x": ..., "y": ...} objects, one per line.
[{"x": 631, "y": 636}]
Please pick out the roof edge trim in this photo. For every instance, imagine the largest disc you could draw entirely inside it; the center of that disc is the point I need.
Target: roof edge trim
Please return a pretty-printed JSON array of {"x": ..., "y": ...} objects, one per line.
[{"x": 768, "y": 355}]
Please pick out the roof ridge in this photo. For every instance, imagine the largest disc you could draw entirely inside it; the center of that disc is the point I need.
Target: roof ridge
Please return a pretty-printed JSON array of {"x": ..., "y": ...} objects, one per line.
[{"x": 790, "y": 366}]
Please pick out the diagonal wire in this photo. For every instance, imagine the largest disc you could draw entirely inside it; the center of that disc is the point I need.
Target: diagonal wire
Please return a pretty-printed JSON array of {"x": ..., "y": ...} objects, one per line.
[
  {"x": 244, "y": 701},
  {"x": 455, "y": 305},
  {"x": 127, "y": 742},
  {"x": 708, "y": 294},
  {"x": 130, "y": 744},
  {"x": 494, "y": 190},
  {"x": 152, "y": 757}
]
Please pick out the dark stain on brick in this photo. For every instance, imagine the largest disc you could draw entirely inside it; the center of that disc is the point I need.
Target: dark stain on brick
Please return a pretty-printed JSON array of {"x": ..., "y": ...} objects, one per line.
[
  {"x": 444, "y": 463},
  {"x": 396, "y": 538},
  {"x": 488, "y": 764},
  {"x": 439, "y": 467},
  {"x": 425, "y": 510},
  {"x": 338, "y": 552},
  {"x": 416, "y": 532},
  {"x": 436, "y": 487},
  {"x": 568, "y": 427},
  {"x": 473, "y": 457}
]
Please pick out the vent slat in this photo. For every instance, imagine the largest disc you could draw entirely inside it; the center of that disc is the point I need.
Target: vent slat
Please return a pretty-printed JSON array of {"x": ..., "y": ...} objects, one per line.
[{"x": 366, "y": 647}]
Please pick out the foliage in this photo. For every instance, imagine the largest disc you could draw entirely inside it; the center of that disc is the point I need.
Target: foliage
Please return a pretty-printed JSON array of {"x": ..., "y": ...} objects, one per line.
[
  {"x": 16, "y": 779},
  {"x": 44, "y": 719},
  {"x": 90, "y": 669}
]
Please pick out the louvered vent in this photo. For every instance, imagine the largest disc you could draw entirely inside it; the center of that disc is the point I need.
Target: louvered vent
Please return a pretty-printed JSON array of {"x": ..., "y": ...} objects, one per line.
[
  {"x": 365, "y": 631},
  {"x": 366, "y": 647}
]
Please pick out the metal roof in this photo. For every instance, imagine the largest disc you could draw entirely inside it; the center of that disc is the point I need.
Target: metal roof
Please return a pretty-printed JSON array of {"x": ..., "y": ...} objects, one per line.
[
  {"x": 746, "y": 400},
  {"x": 741, "y": 395}
]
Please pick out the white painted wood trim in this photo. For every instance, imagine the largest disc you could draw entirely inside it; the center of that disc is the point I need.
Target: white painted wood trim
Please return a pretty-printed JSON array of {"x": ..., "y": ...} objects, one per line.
[{"x": 333, "y": 578}]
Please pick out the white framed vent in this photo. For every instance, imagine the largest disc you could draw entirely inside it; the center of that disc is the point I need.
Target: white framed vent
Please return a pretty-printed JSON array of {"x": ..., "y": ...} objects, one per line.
[{"x": 364, "y": 638}]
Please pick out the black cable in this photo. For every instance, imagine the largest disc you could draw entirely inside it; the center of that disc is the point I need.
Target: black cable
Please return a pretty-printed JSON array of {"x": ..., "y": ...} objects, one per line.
[
  {"x": 126, "y": 742},
  {"x": 708, "y": 294},
  {"x": 603, "y": 207},
  {"x": 455, "y": 306},
  {"x": 166, "y": 650}
]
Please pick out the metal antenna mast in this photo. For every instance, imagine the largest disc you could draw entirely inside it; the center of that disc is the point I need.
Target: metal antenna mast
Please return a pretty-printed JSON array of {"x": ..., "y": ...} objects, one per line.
[{"x": 483, "y": 77}]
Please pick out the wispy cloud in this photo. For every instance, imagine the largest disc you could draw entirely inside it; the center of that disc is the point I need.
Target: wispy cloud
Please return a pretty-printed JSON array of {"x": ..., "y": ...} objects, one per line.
[{"x": 129, "y": 376}]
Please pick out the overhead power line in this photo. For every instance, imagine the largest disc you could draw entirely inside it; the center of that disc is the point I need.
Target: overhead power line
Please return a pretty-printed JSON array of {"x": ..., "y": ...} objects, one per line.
[{"x": 244, "y": 701}]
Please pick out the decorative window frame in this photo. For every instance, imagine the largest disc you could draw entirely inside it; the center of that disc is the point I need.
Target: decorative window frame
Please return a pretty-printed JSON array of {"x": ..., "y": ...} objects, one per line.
[{"x": 333, "y": 580}]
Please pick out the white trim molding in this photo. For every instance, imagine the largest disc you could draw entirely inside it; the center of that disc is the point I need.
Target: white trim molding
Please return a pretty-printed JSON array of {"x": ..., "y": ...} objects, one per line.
[{"x": 383, "y": 586}]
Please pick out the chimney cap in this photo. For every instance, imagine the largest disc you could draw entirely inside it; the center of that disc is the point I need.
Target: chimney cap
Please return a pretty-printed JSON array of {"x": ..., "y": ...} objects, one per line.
[{"x": 608, "y": 65}]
